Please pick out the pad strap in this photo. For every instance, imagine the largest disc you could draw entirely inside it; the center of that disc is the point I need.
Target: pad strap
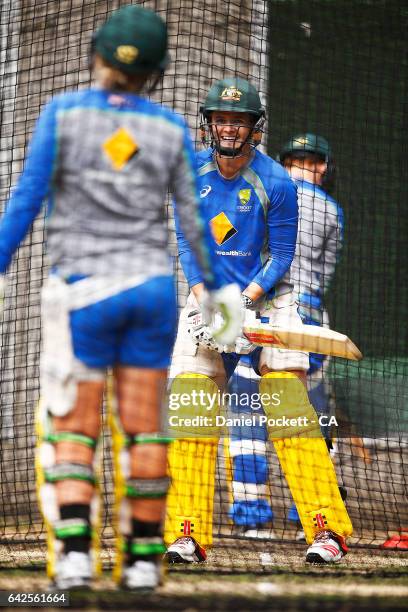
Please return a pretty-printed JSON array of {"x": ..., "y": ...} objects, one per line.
[
  {"x": 148, "y": 488},
  {"x": 70, "y": 436},
  {"x": 70, "y": 471},
  {"x": 150, "y": 438},
  {"x": 74, "y": 527},
  {"x": 146, "y": 546}
]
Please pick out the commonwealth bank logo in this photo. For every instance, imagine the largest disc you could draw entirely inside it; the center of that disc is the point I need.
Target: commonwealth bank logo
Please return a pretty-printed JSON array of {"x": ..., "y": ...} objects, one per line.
[
  {"x": 120, "y": 148},
  {"x": 222, "y": 228}
]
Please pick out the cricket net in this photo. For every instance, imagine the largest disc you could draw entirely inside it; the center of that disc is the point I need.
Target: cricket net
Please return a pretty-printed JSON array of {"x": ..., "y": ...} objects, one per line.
[{"x": 325, "y": 67}]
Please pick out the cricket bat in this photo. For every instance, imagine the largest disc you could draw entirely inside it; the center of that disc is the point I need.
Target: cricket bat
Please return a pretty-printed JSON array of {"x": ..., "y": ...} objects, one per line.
[{"x": 308, "y": 338}]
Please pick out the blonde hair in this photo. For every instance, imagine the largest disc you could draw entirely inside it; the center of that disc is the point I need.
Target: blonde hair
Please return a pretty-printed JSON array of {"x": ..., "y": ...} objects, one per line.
[{"x": 108, "y": 77}]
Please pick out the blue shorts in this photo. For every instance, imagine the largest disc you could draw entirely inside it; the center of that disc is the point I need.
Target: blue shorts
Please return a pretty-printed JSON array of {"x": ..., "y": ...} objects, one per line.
[{"x": 135, "y": 327}]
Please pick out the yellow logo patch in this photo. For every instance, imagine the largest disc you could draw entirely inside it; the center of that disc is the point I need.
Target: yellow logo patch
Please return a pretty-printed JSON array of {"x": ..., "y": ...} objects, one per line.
[
  {"x": 222, "y": 228},
  {"x": 231, "y": 94},
  {"x": 126, "y": 54},
  {"x": 244, "y": 196},
  {"x": 120, "y": 148}
]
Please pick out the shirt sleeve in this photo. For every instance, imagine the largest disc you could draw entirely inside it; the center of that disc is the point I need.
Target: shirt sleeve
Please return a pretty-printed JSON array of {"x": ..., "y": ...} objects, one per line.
[
  {"x": 282, "y": 223},
  {"x": 191, "y": 269},
  {"x": 32, "y": 186},
  {"x": 193, "y": 235},
  {"x": 332, "y": 249}
]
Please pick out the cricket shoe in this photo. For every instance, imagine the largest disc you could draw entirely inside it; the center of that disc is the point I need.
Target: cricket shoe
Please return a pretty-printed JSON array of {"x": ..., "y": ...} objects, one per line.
[
  {"x": 73, "y": 571},
  {"x": 326, "y": 548},
  {"x": 142, "y": 576},
  {"x": 185, "y": 550}
]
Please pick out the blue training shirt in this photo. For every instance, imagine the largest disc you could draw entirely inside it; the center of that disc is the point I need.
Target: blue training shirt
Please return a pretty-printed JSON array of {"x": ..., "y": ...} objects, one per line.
[
  {"x": 253, "y": 221},
  {"x": 104, "y": 162}
]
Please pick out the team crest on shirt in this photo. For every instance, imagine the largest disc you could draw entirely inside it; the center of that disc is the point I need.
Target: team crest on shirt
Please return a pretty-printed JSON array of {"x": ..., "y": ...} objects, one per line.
[
  {"x": 244, "y": 195},
  {"x": 231, "y": 94}
]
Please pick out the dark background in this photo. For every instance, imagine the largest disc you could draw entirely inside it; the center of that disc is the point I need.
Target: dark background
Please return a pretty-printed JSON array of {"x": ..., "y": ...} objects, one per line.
[{"x": 343, "y": 74}]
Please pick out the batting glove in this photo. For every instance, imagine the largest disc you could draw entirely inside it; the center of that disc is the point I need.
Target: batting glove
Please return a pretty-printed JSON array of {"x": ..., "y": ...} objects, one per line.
[
  {"x": 242, "y": 345},
  {"x": 227, "y": 303},
  {"x": 201, "y": 333}
]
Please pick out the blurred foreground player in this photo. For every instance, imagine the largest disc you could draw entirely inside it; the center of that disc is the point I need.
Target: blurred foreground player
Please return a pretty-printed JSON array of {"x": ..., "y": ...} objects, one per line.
[
  {"x": 251, "y": 208},
  {"x": 103, "y": 159}
]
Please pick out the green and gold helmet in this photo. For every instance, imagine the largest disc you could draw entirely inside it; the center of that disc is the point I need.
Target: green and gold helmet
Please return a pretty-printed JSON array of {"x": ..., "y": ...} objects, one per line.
[
  {"x": 233, "y": 94},
  {"x": 307, "y": 144},
  {"x": 237, "y": 95},
  {"x": 133, "y": 40}
]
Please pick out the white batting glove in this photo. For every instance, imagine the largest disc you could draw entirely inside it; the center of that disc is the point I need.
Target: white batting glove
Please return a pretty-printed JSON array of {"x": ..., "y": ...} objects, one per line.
[
  {"x": 201, "y": 333},
  {"x": 242, "y": 345},
  {"x": 227, "y": 303}
]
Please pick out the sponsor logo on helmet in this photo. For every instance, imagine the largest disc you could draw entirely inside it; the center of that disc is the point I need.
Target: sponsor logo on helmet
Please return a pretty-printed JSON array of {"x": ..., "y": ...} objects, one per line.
[
  {"x": 205, "y": 191},
  {"x": 244, "y": 196},
  {"x": 126, "y": 54},
  {"x": 231, "y": 94}
]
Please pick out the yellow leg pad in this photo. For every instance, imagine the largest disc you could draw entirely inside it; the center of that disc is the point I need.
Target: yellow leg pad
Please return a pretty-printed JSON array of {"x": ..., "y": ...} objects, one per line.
[
  {"x": 303, "y": 455},
  {"x": 193, "y": 407},
  {"x": 121, "y": 515},
  {"x": 228, "y": 469},
  {"x": 192, "y": 458},
  {"x": 190, "y": 501}
]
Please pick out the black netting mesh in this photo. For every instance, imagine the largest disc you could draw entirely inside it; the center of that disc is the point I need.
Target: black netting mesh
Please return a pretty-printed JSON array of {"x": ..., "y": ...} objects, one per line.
[{"x": 337, "y": 68}]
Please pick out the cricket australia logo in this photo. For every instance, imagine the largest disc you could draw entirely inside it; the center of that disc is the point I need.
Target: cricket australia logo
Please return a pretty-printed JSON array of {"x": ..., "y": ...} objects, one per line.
[
  {"x": 231, "y": 94},
  {"x": 244, "y": 195}
]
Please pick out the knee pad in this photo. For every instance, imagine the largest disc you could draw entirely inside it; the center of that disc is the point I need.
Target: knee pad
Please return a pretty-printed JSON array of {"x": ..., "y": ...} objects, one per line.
[
  {"x": 192, "y": 462},
  {"x": 48, "y": 472},
  {"x": 303, "y": 455},
  {"x": 194, "y": 404},
  {"x": 288, "y": 412}
]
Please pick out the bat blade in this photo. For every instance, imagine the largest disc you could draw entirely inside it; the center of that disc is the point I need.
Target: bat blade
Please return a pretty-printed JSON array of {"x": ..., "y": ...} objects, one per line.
[{"x": 308, "y": 338}]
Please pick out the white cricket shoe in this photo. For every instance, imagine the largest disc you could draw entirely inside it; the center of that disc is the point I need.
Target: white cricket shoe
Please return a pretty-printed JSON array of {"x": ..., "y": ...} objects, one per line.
[
  {"x": 73, "y": 571},
  {"x": 185, "y": 550},
  {"x": 142, "y": 576},
  {"x": 326, "y": 548}
]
